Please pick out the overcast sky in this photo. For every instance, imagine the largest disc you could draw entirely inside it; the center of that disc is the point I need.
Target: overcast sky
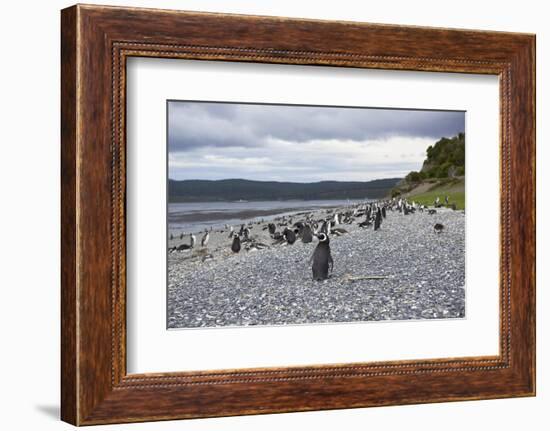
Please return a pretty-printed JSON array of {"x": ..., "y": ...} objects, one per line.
[{"x": 300, "y": 143}]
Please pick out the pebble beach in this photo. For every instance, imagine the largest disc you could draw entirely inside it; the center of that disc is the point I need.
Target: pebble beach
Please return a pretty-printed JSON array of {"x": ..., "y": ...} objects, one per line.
[{"x": 404, "y": 270}]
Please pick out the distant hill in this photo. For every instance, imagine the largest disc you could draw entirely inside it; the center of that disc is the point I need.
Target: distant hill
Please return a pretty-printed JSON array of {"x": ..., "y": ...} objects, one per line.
[{"x": 248, "y": 190}]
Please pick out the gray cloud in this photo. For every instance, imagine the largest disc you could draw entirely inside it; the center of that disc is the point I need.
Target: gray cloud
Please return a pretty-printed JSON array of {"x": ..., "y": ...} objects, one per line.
[
  {"x": 295, "y": 143},
  {"x": 197, "y": 124}
]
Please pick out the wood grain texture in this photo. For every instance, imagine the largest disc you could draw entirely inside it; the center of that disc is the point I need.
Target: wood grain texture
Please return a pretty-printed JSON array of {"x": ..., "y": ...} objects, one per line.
[{"x": 96, "y": 41}]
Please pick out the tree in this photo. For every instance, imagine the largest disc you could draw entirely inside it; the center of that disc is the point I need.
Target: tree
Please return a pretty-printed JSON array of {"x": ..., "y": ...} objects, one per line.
[
  {"x": 395, "y": 192},
  {"x": 446, "y": 157},
  {"x": 413, "y": 177}
]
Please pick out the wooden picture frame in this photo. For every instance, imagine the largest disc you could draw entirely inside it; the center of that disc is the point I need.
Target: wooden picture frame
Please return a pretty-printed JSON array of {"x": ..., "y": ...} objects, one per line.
[{"x": 95, "y": 43}]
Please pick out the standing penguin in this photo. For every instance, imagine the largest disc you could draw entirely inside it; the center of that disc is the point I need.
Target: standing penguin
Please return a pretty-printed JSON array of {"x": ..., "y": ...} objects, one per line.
[
  {"x": 205, "y": 238},
  {"x": 236, "y": 246},
  {"x": 322, "y": 258},
  {"x": 377, "y": 219},
  {"x": 193, "y": 240},
  {"x": 307, "y": 235}
]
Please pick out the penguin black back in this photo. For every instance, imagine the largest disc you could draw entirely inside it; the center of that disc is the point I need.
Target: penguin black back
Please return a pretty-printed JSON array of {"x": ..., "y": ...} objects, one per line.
[
  {"x": 307, "y": 235},
  {"x": 438, "y": 227},
  {"x": 322, "y": 258},
  {"x": 290, "y": 236},
  {"x": 377, "y": 219},
  {"x": 236, "y": 246}
]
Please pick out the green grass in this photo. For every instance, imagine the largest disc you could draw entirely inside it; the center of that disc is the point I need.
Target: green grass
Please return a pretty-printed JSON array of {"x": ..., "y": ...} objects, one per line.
[
  {"x": 452, "y": 188},
  {"x": 428, "y": 198}
]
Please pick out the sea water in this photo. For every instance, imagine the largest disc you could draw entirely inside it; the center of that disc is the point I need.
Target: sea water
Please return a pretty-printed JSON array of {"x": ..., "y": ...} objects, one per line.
[{"x": 197, "y": 216}]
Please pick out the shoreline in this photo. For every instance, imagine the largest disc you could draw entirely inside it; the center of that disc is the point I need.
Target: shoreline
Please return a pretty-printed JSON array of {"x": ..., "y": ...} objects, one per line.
[
  {"x": 219, "y": 219},
  {"x": 244, "y": 214}
]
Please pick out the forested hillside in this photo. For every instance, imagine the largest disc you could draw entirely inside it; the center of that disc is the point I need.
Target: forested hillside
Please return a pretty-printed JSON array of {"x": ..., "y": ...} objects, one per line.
[
  {"x": 446, "y": 158},
  {"x": 239, "y": 189}
]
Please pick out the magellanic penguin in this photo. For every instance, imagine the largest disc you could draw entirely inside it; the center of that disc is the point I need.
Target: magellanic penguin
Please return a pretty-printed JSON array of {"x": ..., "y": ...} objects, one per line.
[
  {"x": 290, "y": 236},
  {"x": 184, "y": 247},
  {"x": 324, "y": 227},
  {"x": 322, "y": 258},
  {"x": 236, "y": 246},
  {"x": 204, "y": 241},
  {"x": 338, "y": 231},
  {"x": 377, "y": 219},
  {"x": 306, "y": 234},
  {"x": 438, "y": 227}
]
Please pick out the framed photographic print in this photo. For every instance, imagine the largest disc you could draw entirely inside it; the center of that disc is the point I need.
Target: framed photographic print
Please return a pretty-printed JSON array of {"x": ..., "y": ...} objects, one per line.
[{"x": 264, "y": 214}]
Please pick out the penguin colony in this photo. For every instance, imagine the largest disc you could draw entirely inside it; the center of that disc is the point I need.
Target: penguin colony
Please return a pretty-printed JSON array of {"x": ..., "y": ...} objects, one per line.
[{"x": 286, "y": 230}]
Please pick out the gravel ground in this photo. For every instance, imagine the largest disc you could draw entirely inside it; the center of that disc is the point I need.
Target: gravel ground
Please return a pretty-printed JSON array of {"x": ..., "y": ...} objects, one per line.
[{"x": 419, "y": 275}]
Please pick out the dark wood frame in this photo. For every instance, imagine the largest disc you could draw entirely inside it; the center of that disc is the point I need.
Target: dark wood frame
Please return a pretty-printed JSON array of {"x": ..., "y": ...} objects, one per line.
[{"x": 95, "y": 43}]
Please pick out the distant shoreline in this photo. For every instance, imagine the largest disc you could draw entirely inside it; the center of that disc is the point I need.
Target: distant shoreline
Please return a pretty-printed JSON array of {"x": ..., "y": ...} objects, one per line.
[
  {"x": 220, "y": 215},
  {"x": 217, "y": 214}
]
